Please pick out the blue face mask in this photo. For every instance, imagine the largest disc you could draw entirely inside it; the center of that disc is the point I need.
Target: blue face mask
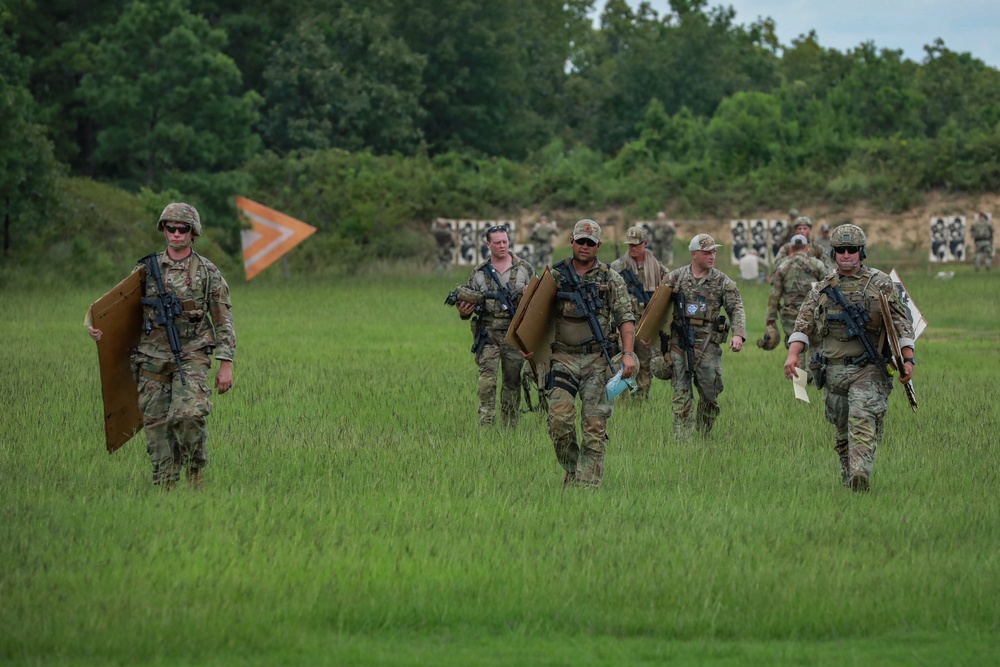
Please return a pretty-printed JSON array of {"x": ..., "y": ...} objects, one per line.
[{"x": 617, "y": 385}]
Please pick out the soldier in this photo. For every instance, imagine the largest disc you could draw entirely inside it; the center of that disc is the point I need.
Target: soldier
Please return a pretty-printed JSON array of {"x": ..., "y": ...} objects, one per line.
[
  {"x": 790, "y": 285},
  {"x": 982, "y": 237},
  {"x": 500, "y": 281},
  {"x": 445, "y": 241},
  {"x": 823, "y": 242},
  {"x": 541, "y": 239},
  {"x": 642, "y": 273},
  {"x": 663, "y": 238},
  {"x": 175, "y": 401},
  {"x": 579, "y": 366},
  {"x": 856, "y": 385},
  {"x": 803, "y": 227},
  {"x": 701, "y": 292}
]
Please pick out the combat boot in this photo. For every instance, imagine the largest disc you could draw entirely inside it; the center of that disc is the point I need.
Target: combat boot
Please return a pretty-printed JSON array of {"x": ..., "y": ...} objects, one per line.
[
  {"x": 859, "y": 482},
  {"x": 196, "y": 479}
]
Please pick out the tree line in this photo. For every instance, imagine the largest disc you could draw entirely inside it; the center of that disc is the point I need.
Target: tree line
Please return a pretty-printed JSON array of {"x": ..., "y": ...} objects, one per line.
[{"x": 363, "y": 117}]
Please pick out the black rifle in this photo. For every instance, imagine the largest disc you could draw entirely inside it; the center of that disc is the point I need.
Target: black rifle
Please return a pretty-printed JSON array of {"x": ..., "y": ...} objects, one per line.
[
  {"x": 166, "y": 308},
  {"x": 854, "y": 318},
  {"x": 686, "y": 333},
  {"x": 505, "y": 295},
  {"x": 586, "y": 303},
  {"x": 480, "y": 335},
  {"x": 634, "y": 286}
]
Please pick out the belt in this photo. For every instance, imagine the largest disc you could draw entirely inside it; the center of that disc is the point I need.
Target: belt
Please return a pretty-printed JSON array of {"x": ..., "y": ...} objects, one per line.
[
  {"x": 165, "y": 379},
  {"x": 860, "y": 361},
  {"x": 593, "y": 348},
  {"x": 697, "y": 323}
]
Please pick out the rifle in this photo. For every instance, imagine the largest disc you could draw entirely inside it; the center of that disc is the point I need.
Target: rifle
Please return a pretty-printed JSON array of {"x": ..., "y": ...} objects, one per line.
[
  {"x": 687, "y": 333},
  {"x": 896, "y": 351},
  {"x": 166, "y": 308},
  {"x": 586, "y": 302},
  {"x": 854, "y": 318},
  {"x": 634, "y": 286},
  {"x": 505, "y": 296}
]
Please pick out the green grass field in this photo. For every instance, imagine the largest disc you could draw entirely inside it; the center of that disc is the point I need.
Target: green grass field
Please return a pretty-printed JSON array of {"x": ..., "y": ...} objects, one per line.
[{"x": 355, "y": 515}]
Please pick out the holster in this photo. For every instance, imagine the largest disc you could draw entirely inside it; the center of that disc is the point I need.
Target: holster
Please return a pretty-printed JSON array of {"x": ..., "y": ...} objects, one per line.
[{"x": 817, "y": 366}]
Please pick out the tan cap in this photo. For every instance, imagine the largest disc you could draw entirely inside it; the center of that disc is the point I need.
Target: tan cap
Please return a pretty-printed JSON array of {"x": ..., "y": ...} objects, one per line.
[
  {"x": 635, "y": 235},
  {"x": 703, "y": 242},
  {"x": 587, "y": 229}
]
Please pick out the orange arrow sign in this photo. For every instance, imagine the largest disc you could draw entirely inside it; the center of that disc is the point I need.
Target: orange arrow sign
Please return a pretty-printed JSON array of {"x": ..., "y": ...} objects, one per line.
[{"x": 271, "y": 236}]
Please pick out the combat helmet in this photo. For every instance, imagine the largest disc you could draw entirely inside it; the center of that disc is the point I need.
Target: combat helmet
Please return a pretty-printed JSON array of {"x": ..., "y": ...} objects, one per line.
[
  {"x": 180, "y": 212},
  {"x": 848, "y": 235},
  {"x": 803, "y": 220}
]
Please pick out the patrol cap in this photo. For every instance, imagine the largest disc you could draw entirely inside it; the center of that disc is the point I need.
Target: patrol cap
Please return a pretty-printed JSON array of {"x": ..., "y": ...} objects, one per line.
[
  {"x": 635, "y": 235},
  {"x": 799, "y": 240},
  {"x": 703, "y": 242},
  {"x": 587, "y": 229}
]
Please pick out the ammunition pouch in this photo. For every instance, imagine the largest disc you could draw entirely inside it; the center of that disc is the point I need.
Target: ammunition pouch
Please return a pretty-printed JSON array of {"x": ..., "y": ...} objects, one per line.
[
  {"x": 720, "y": 330},
  {"x": 817, "y": 367}
]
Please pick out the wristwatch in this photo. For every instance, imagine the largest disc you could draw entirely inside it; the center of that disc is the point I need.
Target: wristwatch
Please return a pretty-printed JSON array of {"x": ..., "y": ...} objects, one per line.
[
  {"x": 910, "y": 360},
  {"x": 633, "y": 355}
]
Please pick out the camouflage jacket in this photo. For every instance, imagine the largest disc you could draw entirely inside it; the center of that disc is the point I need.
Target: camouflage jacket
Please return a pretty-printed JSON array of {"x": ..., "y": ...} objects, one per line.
[
  {"x": 444, "y": 239},
  {"x": 206, "y": 324},
  {"x": 982, "y": 232},
  {"x": 516, "y": 278},
  {"x": 615, "y": 304},
  {"x": 542, "y": 234},
  {"x": 814, "y": 251},
  {"x": 814, "y": 323},
  {"x": 620, "y": 265},
  {"x": 792, "y": 282},
  {"x": 706, "y": 297}
]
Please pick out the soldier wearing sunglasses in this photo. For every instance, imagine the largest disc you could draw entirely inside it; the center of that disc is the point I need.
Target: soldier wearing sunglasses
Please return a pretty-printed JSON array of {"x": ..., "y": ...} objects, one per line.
[
  {"x": 839, "y": 311},
  {"x": 174, "y": 400}
]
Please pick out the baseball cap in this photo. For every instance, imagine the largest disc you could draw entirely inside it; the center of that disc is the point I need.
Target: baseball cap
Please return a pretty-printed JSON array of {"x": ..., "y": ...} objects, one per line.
[
  {"x": 799, "y": 240},
  {"x": 635, "y": 235},
  {"x": 703, "y": 242},
  {"x": 587, "y": 229}
]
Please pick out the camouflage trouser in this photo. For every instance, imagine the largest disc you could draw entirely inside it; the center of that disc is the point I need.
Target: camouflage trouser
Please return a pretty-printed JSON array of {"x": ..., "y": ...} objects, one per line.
[
  {"x": 583, "y": 375},
  {"x": 445, "y": 258},
  {"x": 173, "y": 414},
  {"x": 984, "y": 255},
  {"x": 497, "y": 355},
  {"x": 707, "y": 379},
  {"x": 643, "y": 377},
  {"x": 543, "y": 256},
  {"x": 856, "y": 401}
]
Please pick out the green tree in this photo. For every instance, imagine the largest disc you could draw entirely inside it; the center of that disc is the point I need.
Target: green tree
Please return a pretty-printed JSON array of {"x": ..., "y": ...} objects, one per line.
[
  {"x": 165, "y": 98},
  {"x": 28, "y": 169},
  {"x": 343, "y": 82},
  {"x": 747, "y": 132}
]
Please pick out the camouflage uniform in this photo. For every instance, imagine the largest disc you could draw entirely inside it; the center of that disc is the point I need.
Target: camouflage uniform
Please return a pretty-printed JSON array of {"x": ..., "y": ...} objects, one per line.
[
  {"x": 705, "y": 298},
  {"x": 643, "y": 352},
  {"x": 581, "y": 370},
  {"x": 663, "y": 238},
  {"x": 814, "y": 251},
  {"x": 982, "y": 234},
  {"x": 445, "y": 241},
  {"x": 790, "y": 285},
  {"x": 856, "y": 392},
  {"x": 541, "y": 239},
  {"x": 495, "y": 353},
  {"x": 174, "y": 413}
]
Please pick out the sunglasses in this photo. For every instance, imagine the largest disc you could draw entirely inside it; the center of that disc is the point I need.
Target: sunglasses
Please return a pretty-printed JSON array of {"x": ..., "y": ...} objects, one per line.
[
  {"x": 178, "y": 229},
  {"x": 496, "y": 228},
  {"x": 847, "y": 249},
  {"x": 587, "y": 242}
]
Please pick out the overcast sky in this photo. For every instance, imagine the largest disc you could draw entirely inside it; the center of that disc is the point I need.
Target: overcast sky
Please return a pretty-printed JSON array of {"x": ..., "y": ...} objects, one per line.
[{"x": 964, "y": 25}]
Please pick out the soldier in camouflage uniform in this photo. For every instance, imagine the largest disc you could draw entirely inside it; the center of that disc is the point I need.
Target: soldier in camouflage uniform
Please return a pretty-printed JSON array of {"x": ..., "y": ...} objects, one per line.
[
  {"x": 982, "y": 236},
  {"x": 444, "y": 239},
  {"x": 174, "y": 412},
  {"x": 823, "y": 242},
  {"x": 502, "y": 274},
  {"x": 662, "y": 244},
  {"x": 803, "y": 227},
  {"x": 541, "y": 239},
  {"x": 705, "y": 291},
  {"x": 648, "y": 272},
  {"x": 856, "y": 387},
  {"x": 579, "y": 369},
  {"x": 790, "y": 285}
]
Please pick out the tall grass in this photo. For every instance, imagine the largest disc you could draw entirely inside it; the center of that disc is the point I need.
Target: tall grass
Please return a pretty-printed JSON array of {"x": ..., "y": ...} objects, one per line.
[{"x": 356, "y": 515}]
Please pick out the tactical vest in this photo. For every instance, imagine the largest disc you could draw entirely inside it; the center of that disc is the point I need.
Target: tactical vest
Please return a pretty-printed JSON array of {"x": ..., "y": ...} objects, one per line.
[
  {"x": 857, "y": 292},
  {"x": 571, "y": 325},
  {"x": 798, "y": 274},
  {"x": 702, "y": 304},
  {"x": 193, "y": 291}
]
